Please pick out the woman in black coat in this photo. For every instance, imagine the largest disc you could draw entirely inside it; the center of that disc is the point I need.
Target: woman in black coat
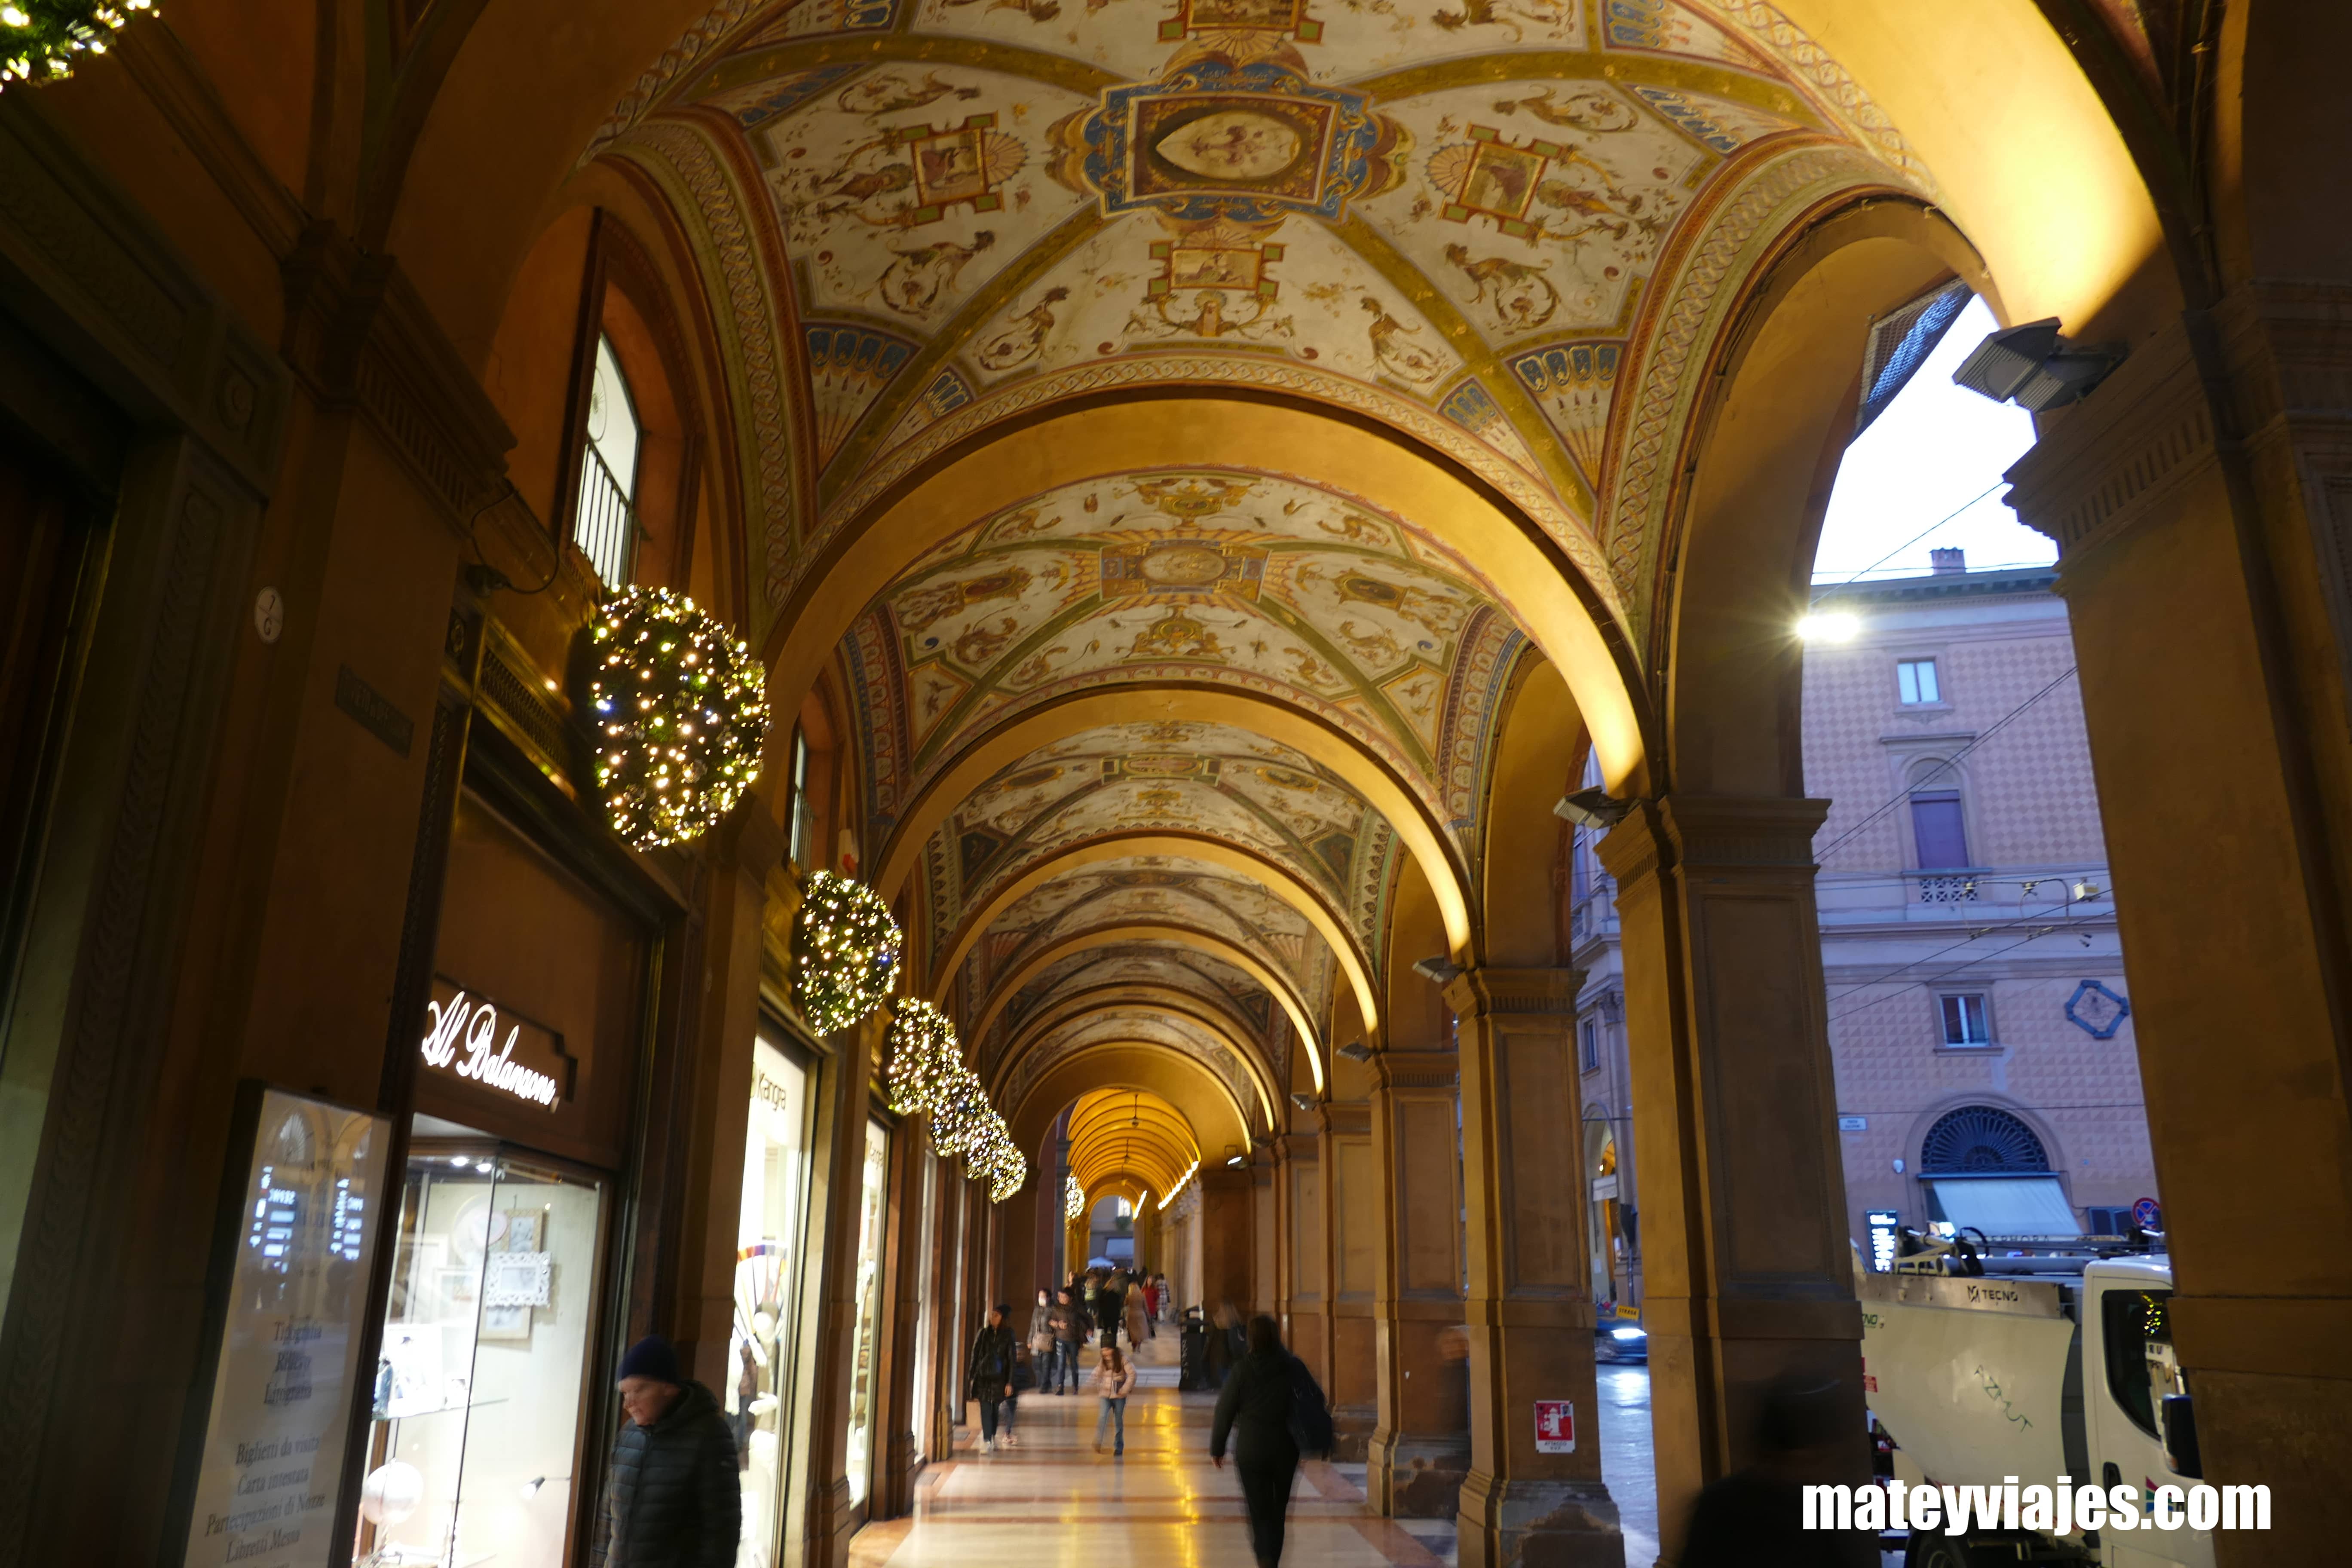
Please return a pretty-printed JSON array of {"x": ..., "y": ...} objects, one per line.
[
  {"x": 992, "y": 1374},
  {"x": 1255, "y": 1409}
]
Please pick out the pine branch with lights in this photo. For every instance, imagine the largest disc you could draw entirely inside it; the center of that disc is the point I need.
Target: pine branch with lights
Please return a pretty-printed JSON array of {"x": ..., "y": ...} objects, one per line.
[
  {"x": 846, "y": 949},
  {"x": 681, "y": 714},
  {"x": 40, "y": 40},
  {"x": 923, "y": 1049}
]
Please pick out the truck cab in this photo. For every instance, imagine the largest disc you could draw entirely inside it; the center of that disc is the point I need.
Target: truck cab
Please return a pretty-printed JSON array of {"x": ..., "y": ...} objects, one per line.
[{"x": 1979, "y": 1379}]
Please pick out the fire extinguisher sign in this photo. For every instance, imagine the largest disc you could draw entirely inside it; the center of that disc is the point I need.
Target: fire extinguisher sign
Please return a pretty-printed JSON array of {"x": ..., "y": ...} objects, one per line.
[{"x": 1555, "y": 1426}]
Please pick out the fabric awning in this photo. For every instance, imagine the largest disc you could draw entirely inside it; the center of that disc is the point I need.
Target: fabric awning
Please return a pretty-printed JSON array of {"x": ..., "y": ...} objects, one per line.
[{"x": 2005, "y": 1205}]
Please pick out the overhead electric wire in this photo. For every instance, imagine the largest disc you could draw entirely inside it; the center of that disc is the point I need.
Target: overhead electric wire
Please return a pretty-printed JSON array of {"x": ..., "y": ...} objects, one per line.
[
  {"x": 1978, "y": 935},
  {"x": 1919, "y": 536},
  {"x": 1971, "y": 963},
  {"x": 1908, "y": 790}
]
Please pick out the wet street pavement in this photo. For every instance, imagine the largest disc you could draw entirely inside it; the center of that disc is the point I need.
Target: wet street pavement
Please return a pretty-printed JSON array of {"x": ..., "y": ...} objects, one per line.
[{"x": 1625, "y": 1457}]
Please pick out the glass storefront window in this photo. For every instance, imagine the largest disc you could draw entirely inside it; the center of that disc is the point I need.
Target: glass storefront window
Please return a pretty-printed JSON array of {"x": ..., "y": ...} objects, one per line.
[
  {"x": 926, "y": 1336},
  {"x": 474, "y": 1452},
  {"x": 863, "y": 1391},
  {"x": 758, "y": 1394}
]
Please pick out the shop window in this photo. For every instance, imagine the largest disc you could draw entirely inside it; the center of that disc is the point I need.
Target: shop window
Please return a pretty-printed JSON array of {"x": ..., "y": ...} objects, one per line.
[
  {"x": 1967, "y": 1020},
  {"x": 802, "y": 823},
  {"x": 1915, "y": 680},
  {"x": 772, "y": 1225},
  {"x": 473, "y": 1450},
  {"x": 1938, "y": 829},
  {"x": 1588, "y": 1034},
  {"x": 864, "y": 1390},
  {"x": 604, "y": 523}
]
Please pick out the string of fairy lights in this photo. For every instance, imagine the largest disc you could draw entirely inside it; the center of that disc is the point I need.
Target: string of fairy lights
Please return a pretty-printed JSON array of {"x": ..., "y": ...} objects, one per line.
[{"x": 40, "y": 40}]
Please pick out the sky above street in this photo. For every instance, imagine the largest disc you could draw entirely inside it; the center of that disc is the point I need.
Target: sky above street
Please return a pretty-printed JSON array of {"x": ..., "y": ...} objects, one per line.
[{"x": 1937, "y": 449}]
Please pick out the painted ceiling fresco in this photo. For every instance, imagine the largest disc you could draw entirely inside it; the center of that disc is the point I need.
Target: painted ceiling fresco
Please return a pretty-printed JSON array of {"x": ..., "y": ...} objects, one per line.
[
  {"x": 1211, "y": 985},
  {"x": 1454, "y": 215},
  {"x": 1120, "y": 1026},
  {"x": 1254, "y": 582}
]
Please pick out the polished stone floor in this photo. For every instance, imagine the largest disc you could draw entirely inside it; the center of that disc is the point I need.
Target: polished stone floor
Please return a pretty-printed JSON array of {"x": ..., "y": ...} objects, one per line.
[{"x": 1049, "y": 1501}]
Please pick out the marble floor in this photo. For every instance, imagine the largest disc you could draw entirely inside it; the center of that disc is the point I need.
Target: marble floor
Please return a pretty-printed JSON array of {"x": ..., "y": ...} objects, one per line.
[{"x": 1051, "y": 1501}]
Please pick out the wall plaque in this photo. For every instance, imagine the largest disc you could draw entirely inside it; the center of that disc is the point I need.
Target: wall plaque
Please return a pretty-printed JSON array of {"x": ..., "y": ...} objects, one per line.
[
  {"x": 289, "y": 1288},
  {"x": 469, "y": 1036}
]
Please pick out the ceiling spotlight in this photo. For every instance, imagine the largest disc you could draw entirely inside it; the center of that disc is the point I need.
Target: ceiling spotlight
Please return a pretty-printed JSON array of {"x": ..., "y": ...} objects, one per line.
[
  {"x": 1237, "y": 1160},
  {"x": 1304, "y": 1100},
  {"x": 1594, "y": 808},
  {"x": 1356, "y": 1052},
  {"x": 2033, "y": 367},
  {"x": 1835, "y": 625},
  {"x": 1439, "y": 968}
]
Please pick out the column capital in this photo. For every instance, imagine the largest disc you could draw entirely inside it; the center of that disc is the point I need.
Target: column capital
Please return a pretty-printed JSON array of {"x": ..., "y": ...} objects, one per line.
[
  {"x": 1490, "y": 991},
  {"x": 1416, "y": 1070},
  {"x": 1721, "y": 831}
]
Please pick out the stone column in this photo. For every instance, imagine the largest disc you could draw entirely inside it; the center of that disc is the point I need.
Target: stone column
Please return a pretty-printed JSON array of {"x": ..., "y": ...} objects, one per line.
[
  {"x": 1420, "y": 1449},
  {"x": 1746, "y": 1267},
  {"x": 2202, "y": 500},
  {"x": 1530, "y": 1317},
  {"x": 1352, "y": 1241},
  {"x": 1303, "y": 1307},
  {"x": 1228, "y": 1199}
]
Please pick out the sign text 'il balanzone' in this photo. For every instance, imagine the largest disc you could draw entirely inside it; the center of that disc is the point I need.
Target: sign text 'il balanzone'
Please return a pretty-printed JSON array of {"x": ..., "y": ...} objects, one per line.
[{"x": 471, "y": 1028}]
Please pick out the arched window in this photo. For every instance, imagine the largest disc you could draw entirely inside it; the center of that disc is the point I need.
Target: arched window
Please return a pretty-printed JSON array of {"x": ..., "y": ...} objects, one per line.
[
  {"x": 604, "y": 525},
  {"x": 1980, "y": 1138}
]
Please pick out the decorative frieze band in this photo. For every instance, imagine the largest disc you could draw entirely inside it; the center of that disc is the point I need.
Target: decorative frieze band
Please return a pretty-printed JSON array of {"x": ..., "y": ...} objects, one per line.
[{"x": 1492, "y": 992}]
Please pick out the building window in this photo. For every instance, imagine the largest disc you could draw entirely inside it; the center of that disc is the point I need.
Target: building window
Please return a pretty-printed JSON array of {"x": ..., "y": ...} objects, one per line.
[
  {"x": 1937, "y": 830},
  {"x": 801, "y": 829},
  {"x": 604, "y": 524},
  {"x": 1590, "y": 1033},
  {"x": 1916, "y": 679},
  {"x": 1966, "y": 1021}
]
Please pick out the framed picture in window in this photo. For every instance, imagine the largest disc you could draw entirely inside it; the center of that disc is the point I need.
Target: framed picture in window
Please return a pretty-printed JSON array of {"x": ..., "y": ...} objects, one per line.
[{"x": 506, "y": 1325}]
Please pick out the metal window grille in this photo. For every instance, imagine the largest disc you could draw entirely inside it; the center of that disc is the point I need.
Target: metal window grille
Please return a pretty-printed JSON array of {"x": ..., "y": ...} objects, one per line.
[
  {"x": 1981, "y": 1138},
  {"x": 606, "y": 526}
]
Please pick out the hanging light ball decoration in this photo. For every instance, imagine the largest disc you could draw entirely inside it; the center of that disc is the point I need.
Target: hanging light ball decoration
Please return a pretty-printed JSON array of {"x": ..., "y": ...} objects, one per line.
[
  {"x": 40, "y": 38},
  {"x": 923, "y": 1049},
  {"x": 1005, "y": 1167},
  {"x": 958, "y": 1115},
  {"x": 681, "y": 713},
  {"x": 845, "y": 951},
  {"x": 1074, "y": 1198}
]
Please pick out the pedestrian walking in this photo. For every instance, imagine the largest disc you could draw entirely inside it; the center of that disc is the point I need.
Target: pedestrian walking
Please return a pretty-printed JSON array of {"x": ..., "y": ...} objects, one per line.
[
  {"x": 1041, "y": 1341},
  {"x": 1069, "y": 1338},
  {"x": 992, "y": 1374},
  {"x": 1114, "y": 1380},
  {"x": 1139, "y": 1328},
  {"x": 672, "y": 1498},
  {"x": 1272, "y": 1409},
  {"x": 1107, "y": 1312}
]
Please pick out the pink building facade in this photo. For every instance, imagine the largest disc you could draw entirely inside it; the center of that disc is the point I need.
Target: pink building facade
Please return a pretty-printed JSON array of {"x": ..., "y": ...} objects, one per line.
[{"x": 1979, "y": 1019}]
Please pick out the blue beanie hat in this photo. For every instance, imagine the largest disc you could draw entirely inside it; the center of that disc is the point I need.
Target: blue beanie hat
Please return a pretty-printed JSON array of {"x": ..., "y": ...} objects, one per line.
[{"x": 653, "y": 1357}]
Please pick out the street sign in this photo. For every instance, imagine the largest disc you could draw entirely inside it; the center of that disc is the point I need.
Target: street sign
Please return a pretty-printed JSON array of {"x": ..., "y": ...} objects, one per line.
[
  {"x": 1555, "y": 1426},
  {"x": 2147, "y": 1215}
]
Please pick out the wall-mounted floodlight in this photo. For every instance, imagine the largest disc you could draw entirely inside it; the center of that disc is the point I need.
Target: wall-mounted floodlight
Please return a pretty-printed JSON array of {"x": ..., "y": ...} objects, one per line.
[
  {"x": 1594, "y": 808},
  {"x": 1356, "y": 1052},
  {"x": 2033, "y": 367},
  {"x": 1439, "y": 968},
  {"x": 1304, "y": 1100},
  {"x": 1233, "y": 1155},
  {"x": 1829, "y": 626}
]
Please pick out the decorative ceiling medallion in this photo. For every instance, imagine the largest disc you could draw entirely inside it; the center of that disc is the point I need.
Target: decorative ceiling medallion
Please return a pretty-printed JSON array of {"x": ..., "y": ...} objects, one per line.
[
  {"x": 1249, "y": 143},
  {"x": 1162, "y": 568},
  {"x": 1492, "y": 178},
  {"x": 964, "y": 165},
  {"x": 1242, "y": 17}
]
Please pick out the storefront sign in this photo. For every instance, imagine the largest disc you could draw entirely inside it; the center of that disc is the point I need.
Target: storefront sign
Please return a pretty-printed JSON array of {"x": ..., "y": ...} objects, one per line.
[
  {"x": 304, "y": 1234},
  {"x": 467, "y": 1036},
  {"x": 1555, "y": 1426},
  {"x": 1885, "y": 1239}
]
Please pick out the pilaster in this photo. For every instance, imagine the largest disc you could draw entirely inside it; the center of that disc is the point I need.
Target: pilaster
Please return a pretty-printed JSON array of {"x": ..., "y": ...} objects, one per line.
[
  {"x": 1528, "y": 1308},
  {"x": 1420, "y": 1447},
  {"x": 1747, "y": 1269}
]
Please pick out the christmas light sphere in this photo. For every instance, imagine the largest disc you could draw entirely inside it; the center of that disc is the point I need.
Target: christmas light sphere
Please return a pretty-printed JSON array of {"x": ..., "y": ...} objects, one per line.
[
  {"x": 923, "y": 1048},
  {"x": 959, "y": 1113},
  {"x": 40, "y": 38},
  {"x": 1074, "y": 1198},
  {"x": 845, "y": 952},
  {"x": 680, "y": 711}
]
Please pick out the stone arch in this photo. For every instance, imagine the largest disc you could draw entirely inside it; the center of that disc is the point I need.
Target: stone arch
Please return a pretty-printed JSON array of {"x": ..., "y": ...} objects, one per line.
[
  {"x": 1519, "y": 905},
  {"x": 1067, "y": 1009},
  {"x": 1354, "y": 766}
]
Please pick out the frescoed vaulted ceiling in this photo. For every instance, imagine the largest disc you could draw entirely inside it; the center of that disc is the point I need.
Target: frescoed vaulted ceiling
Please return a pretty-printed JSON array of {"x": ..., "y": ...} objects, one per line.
[
  {"x": 1459, "y": 217},
  {"x": 1145, "y": 749}
]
